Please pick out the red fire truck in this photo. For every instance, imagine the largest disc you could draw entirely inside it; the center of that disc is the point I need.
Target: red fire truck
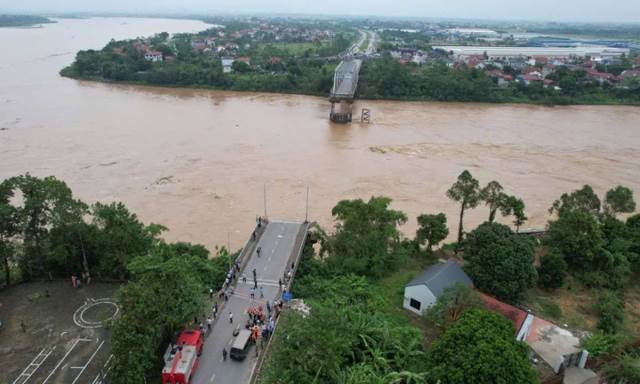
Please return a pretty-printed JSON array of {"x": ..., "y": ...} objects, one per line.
[{"x": 181, "y": 359}]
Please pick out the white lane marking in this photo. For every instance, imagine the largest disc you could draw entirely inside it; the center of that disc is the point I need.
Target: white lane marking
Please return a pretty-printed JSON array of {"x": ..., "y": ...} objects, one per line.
[
  {"x": 88, "y": 362},
  {"x": 24, "y": 376},
  {"x": 213, "y": 377},
  {"x": 75, "y": 342},
  {"x": 98, "y": 379}
]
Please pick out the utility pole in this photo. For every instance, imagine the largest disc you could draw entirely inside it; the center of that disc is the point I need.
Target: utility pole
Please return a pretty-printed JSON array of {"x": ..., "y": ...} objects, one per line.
[
  {"x": 265, "y": 200},
  {"x": 229, "y": 248},
  {"x": 306, "y": 212}
]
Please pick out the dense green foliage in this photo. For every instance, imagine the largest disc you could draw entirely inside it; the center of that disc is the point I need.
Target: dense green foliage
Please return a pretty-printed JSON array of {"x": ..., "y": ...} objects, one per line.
[
  {"x": 552, "y": 271},
  {"x": 46, "y": 230},
  {"x": 610, "y": 307},
  {"x": 357, "y": 332},
  {"x": 619, "y": 200},
  {"x": 499, "y": 261},
  {"x": 22, "y": 20},
  {"x": 366, "y": 239},
  {"x": 601, "y": 344},
  {"x": 351, "y": 336},
  {"x": 274, "y": 68},
  {"x": 386, "y": 78},
  {"x": 451, "y": 305},
  {"x": 599, "y": 249},
  {"x": 432, "y": 229},
  {"x": 479, "y": 348},
  {"x": 166, "y": 293},
  {"x": 52, "y": 232}
]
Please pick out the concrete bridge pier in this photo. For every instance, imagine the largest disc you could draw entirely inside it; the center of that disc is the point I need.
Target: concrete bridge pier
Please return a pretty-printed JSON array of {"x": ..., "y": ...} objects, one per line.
[{"x": 341, "y": 111}]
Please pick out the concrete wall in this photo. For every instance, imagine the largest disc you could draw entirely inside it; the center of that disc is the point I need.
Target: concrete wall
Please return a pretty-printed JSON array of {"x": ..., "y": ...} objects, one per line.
[{"x": 420, "y": 293}]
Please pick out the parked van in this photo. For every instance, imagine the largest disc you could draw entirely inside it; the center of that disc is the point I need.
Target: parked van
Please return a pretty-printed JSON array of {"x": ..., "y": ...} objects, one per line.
[{"x": 240, "y": 345}]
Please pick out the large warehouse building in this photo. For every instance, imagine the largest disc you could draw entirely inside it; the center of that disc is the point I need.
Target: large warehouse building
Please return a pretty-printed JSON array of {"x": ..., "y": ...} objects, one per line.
[{"x": 499, "y": 52}]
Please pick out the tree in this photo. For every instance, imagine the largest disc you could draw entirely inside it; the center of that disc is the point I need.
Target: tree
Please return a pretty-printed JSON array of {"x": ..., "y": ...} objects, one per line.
[
  {"x": 432, "y": 229},
  {"x": 493, "y": 196},
  {"x": 479, "y": 348},
  {"x": 578, "y": 236},
  {"x": 610, "y": 307},
  {"x": 240, "y": 67},
  {"x": 164, "y": 295},
  {"x": 619, "y": 200},
  {"x": 122, "y": 237},
  {"x": 451, "y": 305},
  {"x": 584, "y": 200},
  {"x": 633, "y": 230},
  {"x": 552, "y": 270},
  {"x": 466, "y": 191},
  {"x": 516, "y": 207},
  {"x": 366, "y": 239},
  {"x": 9, "y": 226},
  {"x": 47, "y": 203},
  {"x": 500, "y": 262}
]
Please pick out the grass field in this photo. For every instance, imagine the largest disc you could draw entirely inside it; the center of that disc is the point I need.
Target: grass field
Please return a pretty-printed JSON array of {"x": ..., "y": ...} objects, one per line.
[{"x": 294, "y": 49}]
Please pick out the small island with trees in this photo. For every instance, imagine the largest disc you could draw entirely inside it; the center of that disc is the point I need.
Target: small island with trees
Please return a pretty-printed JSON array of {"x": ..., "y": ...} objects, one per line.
[{"x": 23, "y": 20}]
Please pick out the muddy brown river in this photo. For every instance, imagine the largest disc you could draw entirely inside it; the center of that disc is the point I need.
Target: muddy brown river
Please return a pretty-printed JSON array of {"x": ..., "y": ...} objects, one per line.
[{"x": 197, "y": 161}]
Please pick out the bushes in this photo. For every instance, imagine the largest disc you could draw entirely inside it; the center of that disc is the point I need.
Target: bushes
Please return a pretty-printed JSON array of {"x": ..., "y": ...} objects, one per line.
[
  {"x": 479, "y": 348},
  {"x": 552, "y": 270},
  {"x": 601, "y": 344},
  {"x": 346, "y": 338},
  {"x": 366, "y": 240},
  {"x": 500, "y": 262},
  {"x": 610, "y": 307}
]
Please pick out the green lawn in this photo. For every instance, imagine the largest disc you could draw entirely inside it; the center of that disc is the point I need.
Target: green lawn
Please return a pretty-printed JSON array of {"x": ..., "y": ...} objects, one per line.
[{"x": 294, "y": 49}]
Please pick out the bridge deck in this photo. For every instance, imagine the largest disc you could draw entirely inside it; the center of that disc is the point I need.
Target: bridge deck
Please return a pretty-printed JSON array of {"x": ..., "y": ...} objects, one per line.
[
  {"x": 346, "y": 79},
  {"x": 277, "y": 243}
]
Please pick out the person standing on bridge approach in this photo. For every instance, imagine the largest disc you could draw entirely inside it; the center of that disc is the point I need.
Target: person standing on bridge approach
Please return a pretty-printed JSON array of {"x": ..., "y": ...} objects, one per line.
[
  {"x": 261, "y": 292},
  {"x": 258, "y": 251},
  {"x": 224, "y": 354},
  {"x": 230, "y": 317}
]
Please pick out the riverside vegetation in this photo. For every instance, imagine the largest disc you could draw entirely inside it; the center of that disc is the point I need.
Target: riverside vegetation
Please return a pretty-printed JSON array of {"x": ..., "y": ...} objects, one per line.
[
  {"x": 46, "y": 232},
  {"x": 357, "y": 331},
  {"x": 307, "y": 68}
]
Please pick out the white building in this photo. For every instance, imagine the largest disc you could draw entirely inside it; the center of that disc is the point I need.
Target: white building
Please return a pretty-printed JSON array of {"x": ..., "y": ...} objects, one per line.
[
  {"x": 153, "y": 56},
  {"x": 227, "y": 62},
  {"x": 475, "y": 32},
  {"x": 423, "y": 291},
  {"x": 509, "y": 52}
]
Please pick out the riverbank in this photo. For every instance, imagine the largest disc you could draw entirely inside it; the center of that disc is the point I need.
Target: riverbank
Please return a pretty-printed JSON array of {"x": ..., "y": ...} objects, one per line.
[
  {"x": 512, "y": 100},
  {"x": 10, "y": 21},
  {"x": 313, "y": 84}
]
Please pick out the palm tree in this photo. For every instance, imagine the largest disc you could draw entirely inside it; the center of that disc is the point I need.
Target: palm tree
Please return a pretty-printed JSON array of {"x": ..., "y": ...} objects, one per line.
[{"x": 466, "y": 191}]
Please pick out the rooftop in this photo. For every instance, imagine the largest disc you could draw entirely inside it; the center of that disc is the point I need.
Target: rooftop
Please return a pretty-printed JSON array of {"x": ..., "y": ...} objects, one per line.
[{"x": 441, "y": 276}]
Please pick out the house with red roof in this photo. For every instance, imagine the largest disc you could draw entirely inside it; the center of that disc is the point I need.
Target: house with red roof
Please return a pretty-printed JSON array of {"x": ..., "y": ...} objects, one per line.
[{"x": 517, "y": 316}]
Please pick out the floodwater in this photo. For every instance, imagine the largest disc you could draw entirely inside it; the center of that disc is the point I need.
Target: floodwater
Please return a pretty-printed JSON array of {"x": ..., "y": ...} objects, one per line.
[{"x": 198, "y": 161}]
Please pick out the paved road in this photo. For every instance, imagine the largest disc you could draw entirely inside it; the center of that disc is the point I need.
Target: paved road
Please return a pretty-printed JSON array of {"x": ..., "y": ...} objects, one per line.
[{"x": 277, "y": 244}]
